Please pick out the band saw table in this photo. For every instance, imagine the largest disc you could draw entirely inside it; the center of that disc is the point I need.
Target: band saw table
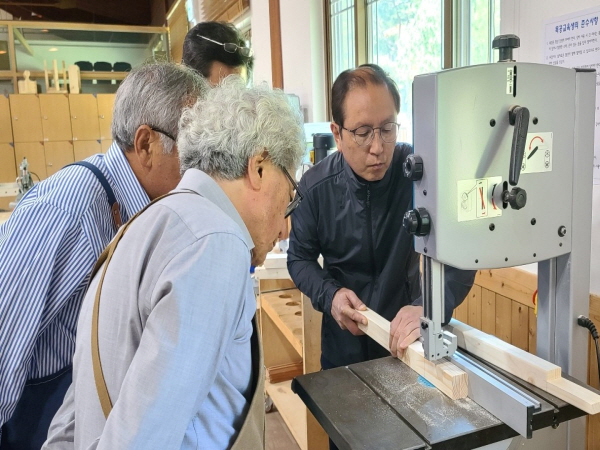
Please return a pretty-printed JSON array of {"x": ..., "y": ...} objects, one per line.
[{"x": 384, "y": 404}]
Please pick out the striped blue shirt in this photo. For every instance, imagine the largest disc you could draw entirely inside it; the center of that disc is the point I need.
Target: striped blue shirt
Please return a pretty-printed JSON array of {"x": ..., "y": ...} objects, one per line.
[{"x": 47, "y": 249}]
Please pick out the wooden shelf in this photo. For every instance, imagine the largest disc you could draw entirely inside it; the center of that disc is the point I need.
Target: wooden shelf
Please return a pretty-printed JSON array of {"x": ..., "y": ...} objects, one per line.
[
  {"x": 291, "y": 408},
  {"x": 284, "y": 308}
]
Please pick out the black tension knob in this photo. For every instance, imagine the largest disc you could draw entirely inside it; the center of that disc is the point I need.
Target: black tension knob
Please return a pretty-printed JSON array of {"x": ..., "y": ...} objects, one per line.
[
  {"x": 505, "y": 43},
  {"x": 417, "y": 221},
  {"x": 413, "y": 167},
  {"x": 517, "y": 198}
]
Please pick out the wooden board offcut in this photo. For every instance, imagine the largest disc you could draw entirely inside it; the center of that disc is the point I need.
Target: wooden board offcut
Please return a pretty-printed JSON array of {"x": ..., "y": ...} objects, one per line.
[
  {"x": 443, "y": 374},
  {"x": 528, "y": 367}
]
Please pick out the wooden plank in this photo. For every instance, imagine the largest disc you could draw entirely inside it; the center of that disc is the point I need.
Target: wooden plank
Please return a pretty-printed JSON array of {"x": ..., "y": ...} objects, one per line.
[
  {"x": 285, "y": 310},
  {"x": 443, "y": 374},
  {"x": 291, "y": 408},
  {"x": 474, "y": 304},
  {"x": 520, "y": 326},
  {"x": 516, "y": 284},
  {"x": 276, "y": 50},
  {"x": 488, "y": 311},
  {"x": 268, "y": 285},
  {"x": 520, "y": 363},
  {"x": 284, "y": 372},
  {"x": 84, "y": 26},
  {"x": 575, "y": 394},
  {"x": 311, "y": 336},
  {"x": 503, "y": 318}
]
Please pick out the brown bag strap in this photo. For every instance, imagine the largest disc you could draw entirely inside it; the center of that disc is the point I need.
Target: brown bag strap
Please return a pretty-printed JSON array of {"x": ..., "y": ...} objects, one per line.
[{"x": 105, "y": 258}]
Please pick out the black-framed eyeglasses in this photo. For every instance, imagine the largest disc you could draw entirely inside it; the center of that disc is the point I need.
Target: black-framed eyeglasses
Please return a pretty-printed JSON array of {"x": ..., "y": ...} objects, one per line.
[
  {"x": 364, "y": 135},
  {"x": 158, "y": 130},
  {"x": 230, "y": 47},
  {"x": 297, "y": 198}
]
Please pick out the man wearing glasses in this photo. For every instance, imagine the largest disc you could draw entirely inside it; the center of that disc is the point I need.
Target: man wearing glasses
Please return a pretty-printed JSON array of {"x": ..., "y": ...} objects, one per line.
[
  {"x": 178, "y": 349},
  {"x": 352, "y": 211},
  {"x": 52, "y": 240},
  {"x": 215, "y": 50}
]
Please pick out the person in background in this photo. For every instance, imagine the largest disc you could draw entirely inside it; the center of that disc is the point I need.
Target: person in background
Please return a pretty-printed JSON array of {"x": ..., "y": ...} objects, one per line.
[
  {"x": 52, "y": 240},
  {"x": 215, "y": 50},
  {"x": 354, "y": 203},
  {"x": 176, "y": 304}
]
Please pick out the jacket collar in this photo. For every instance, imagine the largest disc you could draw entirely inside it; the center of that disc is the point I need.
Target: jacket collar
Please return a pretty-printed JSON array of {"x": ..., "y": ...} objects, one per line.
[{"x": 360, "y": 185}]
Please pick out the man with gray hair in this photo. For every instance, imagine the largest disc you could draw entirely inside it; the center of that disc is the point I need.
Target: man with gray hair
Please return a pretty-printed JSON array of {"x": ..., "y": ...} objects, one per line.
[
  {"x": 49, "y": 245},
  {"x": 167, "y": 354}
]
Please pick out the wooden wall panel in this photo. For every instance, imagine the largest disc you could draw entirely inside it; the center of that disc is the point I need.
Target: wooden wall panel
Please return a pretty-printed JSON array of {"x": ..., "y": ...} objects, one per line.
[
  {"x": 488, "y": 311},
  {"x": 474, "y": 303},
  {"x": 462, "y": 312},
  {"x": 520, "y": 326},
  {"x": 503, "y": 318}
]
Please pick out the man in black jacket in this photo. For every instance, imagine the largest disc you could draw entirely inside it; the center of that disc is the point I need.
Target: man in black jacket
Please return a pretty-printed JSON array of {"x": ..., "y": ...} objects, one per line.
[{"x": 351, "y": 213}]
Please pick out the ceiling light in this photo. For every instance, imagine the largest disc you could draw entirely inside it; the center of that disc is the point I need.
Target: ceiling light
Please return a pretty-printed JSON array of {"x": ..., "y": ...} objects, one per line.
[
  {"x": 2, "y": 52},
  {"x": 44, "y": 31},
  {"x": 53, "y": 49}
]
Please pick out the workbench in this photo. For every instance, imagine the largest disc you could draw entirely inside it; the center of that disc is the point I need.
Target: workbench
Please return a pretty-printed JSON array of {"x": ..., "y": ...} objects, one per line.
[{"x": 383, "y": 404}]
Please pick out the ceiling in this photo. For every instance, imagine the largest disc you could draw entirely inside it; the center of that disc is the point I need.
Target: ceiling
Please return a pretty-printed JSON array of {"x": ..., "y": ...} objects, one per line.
[{"x": 120, "y": 12}]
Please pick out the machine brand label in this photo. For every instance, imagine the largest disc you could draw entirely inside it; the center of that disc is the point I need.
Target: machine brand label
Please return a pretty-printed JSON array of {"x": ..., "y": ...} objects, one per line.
[
  {"x": 479, "y": 198},
  {"x": 538, "y": 153},
  {"x": 510, "y": 77}
]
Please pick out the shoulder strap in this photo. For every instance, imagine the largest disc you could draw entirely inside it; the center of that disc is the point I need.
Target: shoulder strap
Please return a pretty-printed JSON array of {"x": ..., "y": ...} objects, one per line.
[
  {"x": 106, "y": 256},
  {"x": 112, "y": 200}
]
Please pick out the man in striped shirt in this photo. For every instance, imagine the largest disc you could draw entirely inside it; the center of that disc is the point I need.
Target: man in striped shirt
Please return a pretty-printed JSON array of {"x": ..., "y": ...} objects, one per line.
[{"x": 53, "y": 238}]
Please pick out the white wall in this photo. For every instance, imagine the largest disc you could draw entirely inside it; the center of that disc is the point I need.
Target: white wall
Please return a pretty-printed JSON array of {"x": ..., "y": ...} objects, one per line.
[
  {"x": 303, "y": 43},
  {"x": 261, "y": 41},
  {"x": 526, "y": 19}
]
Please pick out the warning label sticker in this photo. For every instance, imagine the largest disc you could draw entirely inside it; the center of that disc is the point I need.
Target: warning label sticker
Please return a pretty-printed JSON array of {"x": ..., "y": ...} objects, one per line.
[
  {"x": 479, "y": 198},
  {"x": 538, "y": 153}
]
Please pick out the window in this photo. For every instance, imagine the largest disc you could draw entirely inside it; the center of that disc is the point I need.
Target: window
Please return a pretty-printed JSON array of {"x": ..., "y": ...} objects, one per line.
[
  {"x": 343, "y": 53},
  {"x": 405, "y": 38}
]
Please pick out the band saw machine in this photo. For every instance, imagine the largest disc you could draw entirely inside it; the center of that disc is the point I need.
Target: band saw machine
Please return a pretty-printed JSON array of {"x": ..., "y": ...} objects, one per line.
[{"x": 502, "y": 171}]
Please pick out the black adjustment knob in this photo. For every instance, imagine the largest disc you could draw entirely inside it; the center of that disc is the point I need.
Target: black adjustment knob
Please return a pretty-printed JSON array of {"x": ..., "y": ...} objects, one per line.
[
  {"x": 417, "y": 221},
  {"x": 413, "y": 167},
  {"x": 517, "y": 197},
  {"x": 505, "y": 43}
]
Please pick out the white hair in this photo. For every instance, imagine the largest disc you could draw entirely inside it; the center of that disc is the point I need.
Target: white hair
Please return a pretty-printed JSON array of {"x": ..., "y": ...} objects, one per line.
[
  {"x": 222, "y": 131},
  {"x": 154, "y": 94}
]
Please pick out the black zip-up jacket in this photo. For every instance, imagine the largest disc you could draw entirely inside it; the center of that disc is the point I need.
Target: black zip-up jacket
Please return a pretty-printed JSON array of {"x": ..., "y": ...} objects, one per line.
[{"x": 357, "y": 226}]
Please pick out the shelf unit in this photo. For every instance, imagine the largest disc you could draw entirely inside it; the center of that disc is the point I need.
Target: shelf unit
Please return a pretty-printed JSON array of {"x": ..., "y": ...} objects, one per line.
[{"x": 291, "y": 333}]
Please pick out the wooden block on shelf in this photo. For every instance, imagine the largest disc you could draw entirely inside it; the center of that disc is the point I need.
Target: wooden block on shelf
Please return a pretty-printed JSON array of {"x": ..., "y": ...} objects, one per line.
[
  {"x": 284, "y": 372},
  {"x": 443, "y": 374}
]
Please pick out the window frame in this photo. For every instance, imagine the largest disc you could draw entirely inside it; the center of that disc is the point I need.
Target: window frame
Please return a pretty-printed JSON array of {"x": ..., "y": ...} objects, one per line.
[{"x": 455, "y": 35}]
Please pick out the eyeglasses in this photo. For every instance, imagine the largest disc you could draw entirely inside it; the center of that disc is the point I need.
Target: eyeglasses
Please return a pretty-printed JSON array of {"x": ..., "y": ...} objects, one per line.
[
  {"x": 364, "y": 135},
  {"x": 230, "y": 47},
  {"x": 158, "y": 130},
  {"x": 297, "y": 198}
]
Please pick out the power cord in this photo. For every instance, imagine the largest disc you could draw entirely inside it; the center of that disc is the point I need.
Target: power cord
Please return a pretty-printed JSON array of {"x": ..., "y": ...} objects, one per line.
[{"x": 585, "y": 322}]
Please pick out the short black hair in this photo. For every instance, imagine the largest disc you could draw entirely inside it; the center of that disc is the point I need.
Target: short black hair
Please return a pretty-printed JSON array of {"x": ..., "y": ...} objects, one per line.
[
  {"x": 361, "y": 76},
  {"x": 199, "y": 54}
]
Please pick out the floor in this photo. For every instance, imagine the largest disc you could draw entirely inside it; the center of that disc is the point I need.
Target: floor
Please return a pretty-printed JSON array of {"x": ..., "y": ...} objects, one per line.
[{"x": 278, "y": 436}]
